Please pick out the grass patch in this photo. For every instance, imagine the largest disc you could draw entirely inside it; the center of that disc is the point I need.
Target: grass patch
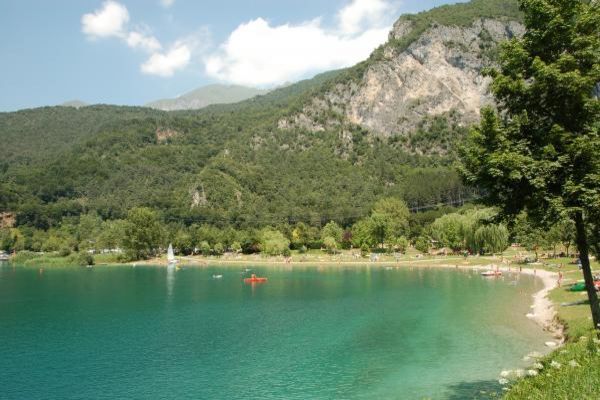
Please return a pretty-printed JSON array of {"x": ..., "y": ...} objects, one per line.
[
  {"x": 576, "y": 319},
  {"x": 52, "y": 259},
  {"x": 109, "y": 258},
  {"x": 573, "y": 372}
]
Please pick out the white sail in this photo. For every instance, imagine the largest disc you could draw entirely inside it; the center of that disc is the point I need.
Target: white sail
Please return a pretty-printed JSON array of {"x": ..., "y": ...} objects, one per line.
[{"x": 170, "y": 255}]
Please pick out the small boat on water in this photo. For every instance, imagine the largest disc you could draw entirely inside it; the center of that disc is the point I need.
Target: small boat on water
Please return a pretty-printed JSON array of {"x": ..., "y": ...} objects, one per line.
[
  {"x": 491, "y": 273},
  {"x": 255, "y": 279},
  {"x": 217, "y": 276}
]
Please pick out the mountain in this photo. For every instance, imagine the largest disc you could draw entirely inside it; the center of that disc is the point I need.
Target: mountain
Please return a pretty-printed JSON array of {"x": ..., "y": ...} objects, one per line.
[
  {"x": 430, "y": 69},
  {"x": 322, "y": 149},
  {"x": 205, "y": 96}
]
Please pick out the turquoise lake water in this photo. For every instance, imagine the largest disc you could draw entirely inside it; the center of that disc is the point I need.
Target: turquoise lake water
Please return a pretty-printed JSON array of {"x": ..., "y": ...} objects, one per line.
[{"x": 309, "y": 333}]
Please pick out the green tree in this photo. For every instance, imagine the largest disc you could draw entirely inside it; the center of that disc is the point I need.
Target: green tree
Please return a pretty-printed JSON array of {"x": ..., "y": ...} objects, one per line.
[
  {"x": 183, "y": 242},
  {"x": 540, "y": 153},
  {"x": 492, "y": 238},
  {"x": 528, "y": 235},
  {"x": 566, "y": 233},
  {"x": 448, "y": 231},
  {"x": 219, "y": 249},
  {"x": 362, "y": 234},
  {"x": 205, "y": 248},
  {"x": 379, "y": 226},
  {"x": 364, "y": 250},
  {"x": 273, "y": 242},
  {"x": 143, "y": 233},
  {"x": 88, "y": 230},
  {"x": 112, "y": 234},
  {"x": 334, "y": 231},
  {"x": 561, "y": 233},
  {"x": 423, "y": 244},
  {"x": 236, "y": 247},
  {"x": 7, "y": 239},
  {"x": 330, "y": 244},
  {"x": 397, "y": 214},
  {"x": 301, "y": 235},
  {"x": 401, "y": 244}
]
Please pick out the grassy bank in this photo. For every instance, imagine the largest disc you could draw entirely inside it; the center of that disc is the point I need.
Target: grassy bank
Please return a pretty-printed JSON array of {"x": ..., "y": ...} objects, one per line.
[
  {"x": 573, "y": 371},
  {"x": 55, "y": 259}
]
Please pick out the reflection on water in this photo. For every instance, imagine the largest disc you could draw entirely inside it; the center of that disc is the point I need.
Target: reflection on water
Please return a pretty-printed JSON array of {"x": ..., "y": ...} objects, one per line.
[{"x": 170, "y": 281}]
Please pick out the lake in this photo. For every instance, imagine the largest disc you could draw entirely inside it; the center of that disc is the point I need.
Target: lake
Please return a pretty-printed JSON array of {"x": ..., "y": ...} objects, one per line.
[{"x": 308, "y": 333}]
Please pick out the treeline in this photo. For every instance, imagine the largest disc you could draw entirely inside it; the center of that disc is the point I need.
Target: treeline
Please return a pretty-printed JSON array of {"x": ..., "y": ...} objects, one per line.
[
  {"x": 388, "y": 227},
  {"x": 215, "y": 167}
]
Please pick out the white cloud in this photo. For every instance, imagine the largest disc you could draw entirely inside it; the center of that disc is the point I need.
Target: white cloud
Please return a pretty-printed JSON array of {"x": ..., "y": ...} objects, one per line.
[
  {"x": 148, "y": 43},
  {"x": 360, "y": 13},
  {"x": 259, "y": 54},
  {"x": 167, "y": 3},
  {"x": 165, "y": 64},
  {"x": 105, "y": 22},
  {"x": 112, "y": 21}
]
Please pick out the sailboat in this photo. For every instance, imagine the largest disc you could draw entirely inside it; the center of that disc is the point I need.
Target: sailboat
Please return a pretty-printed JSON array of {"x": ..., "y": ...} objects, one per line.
[{"x": 171, "y": 256}]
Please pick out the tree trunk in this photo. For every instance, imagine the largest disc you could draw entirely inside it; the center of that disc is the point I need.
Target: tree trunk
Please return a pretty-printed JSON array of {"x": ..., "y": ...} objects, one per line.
[{"x": 582, "y": 246}]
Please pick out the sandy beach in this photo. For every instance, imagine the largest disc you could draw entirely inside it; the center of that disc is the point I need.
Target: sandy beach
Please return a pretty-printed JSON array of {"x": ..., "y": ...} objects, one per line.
[{"x": 543, "y": 311}]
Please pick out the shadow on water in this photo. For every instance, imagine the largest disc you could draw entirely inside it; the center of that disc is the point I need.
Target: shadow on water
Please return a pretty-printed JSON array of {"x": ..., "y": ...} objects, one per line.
[{"x": 479, "y": 390}]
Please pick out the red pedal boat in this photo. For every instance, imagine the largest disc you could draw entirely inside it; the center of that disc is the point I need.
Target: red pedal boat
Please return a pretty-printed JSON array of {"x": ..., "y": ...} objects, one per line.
[{"x": 255, "y": 279}]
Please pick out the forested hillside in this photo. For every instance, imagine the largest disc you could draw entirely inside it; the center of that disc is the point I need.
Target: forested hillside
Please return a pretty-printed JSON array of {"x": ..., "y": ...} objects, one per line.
[{"x": 235, "y": 165}]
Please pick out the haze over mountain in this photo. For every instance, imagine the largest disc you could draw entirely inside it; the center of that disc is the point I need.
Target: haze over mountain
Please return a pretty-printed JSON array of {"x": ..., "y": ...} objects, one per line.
[
  {"x": 320, "y": 149},
  {"x": 74, "y": 103},
  {"x": 206, "y": 96}
]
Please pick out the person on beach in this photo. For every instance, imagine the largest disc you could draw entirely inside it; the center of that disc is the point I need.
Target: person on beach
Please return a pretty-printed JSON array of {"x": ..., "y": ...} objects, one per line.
[{"x": 560, "y": 278}]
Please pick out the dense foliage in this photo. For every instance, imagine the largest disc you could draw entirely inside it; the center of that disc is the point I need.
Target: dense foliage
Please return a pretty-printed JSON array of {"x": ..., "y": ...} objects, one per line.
[{"x": 540, "y": 152}]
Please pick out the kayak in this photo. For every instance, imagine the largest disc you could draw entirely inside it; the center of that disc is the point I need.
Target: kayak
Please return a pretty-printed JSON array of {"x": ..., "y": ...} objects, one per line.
[{"x": 255, "y": 279}]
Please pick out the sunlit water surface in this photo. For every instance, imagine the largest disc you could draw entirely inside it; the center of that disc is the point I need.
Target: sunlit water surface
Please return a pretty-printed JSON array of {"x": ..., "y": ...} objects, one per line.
[{"x": 309, "y": 333}]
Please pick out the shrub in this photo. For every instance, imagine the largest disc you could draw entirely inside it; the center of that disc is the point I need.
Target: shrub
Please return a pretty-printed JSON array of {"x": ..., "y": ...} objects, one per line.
[
  {"x": 218, "y": 249},
  {"x": 273, "y": 242},
  {"x": 364, "y": 250},
  {"x": 205, "y": 248},
  {"x": 423, "y": 244},
  {"x": 330, "y": 245},
  {"x": 83, "y": 259}
]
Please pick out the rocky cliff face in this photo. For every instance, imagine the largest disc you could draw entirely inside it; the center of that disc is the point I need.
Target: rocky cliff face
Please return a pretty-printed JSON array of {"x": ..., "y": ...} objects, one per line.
[{"x": 438, "y": 73}]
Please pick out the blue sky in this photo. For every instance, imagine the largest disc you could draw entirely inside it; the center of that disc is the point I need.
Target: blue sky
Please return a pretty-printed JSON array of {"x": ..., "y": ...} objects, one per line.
[{"x": 135, "y": 51}]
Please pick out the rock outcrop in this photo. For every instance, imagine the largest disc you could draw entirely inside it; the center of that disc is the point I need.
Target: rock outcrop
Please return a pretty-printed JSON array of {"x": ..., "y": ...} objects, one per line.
[{"x": 439, "y": 72}]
